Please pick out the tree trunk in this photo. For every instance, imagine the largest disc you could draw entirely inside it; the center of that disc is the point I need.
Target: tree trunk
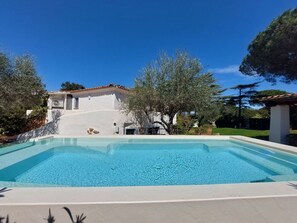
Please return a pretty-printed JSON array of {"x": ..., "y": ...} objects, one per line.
[
  {"x": 170, "y": 126},
  {"x": 239, "y": 109}
]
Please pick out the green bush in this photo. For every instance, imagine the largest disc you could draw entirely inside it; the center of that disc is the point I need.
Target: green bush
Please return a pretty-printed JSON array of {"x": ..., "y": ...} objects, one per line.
[
  {"x": 202, "y": 130},
  {"x": 206, "y": 129},
  {"x": 36, "y": 118},
  {"x": 17, "y": 122},
  {"x": 184, "y": 124},
  {"x": 13, "y": 123}
]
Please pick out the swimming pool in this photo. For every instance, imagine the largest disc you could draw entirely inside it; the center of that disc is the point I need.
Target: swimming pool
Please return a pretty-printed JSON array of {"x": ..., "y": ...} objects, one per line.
[{"x": 106, "y": 162}]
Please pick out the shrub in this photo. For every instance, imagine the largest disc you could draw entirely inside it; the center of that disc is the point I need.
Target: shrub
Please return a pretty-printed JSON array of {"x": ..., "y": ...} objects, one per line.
[
  {"x": 202, "y": 130},
  {"x": 36, "y": 119},
  {"x": 14, "y": 122}
]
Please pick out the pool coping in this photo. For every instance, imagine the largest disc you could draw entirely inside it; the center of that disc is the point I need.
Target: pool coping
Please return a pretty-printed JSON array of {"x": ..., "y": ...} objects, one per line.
[
  {"x": 147, "y": 194},
  {"x": 153, "y": 194}
]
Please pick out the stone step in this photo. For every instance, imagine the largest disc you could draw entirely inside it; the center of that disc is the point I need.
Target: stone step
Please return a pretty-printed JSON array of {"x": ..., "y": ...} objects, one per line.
[
  {"x": 276, "y": 167},
  {"x": 291, "y": 177}
]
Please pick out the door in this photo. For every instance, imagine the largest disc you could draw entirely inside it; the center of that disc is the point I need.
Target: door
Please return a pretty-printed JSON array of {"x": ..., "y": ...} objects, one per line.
[{"x": 69, "y": 102}]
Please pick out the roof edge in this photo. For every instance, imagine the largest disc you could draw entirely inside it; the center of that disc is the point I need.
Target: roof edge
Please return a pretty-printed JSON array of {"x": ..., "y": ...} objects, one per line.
[{"x": 114, "y": 86}]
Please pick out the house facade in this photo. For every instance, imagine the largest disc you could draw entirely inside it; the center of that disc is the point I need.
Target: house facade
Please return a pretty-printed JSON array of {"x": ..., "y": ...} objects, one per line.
[
  {"x": 99, "y": 108},
  {"x": 108, "y": 97}
]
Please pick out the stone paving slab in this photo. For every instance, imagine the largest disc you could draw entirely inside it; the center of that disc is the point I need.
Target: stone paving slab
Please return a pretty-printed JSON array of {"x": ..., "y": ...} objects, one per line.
[{"x": 257, "y": 210}]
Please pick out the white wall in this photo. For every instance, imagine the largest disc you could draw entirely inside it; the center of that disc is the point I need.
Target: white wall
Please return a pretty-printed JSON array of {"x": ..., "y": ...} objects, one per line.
[
  {"x": 98, "y": 110},
  {"x": 119, "y": 100},
  {"x": 91, "y": 101},
  {"x": 105, "y": 99},
  {"x": 47, "y": 129},
  {"x": 77, "y": 124},
  {"x": 279, "y": 123}
]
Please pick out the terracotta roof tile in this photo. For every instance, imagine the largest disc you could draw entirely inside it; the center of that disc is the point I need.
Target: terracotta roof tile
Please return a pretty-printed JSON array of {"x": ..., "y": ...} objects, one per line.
[
  {"x": 279, "y": 97},
  {"x": 102, "y": 87},
  {"x": 283, "y": 99},
  {"x": 89, "y": 89}
]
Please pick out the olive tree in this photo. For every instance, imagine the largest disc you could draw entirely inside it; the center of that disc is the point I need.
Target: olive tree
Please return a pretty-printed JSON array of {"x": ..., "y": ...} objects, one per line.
[
  {"x": 20, "y": 88},
  {"x": 171, "y": 85}
]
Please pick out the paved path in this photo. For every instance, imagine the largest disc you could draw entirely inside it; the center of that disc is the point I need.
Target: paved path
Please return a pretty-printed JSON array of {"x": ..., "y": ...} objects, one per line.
[{"x": 278, "y": 210}]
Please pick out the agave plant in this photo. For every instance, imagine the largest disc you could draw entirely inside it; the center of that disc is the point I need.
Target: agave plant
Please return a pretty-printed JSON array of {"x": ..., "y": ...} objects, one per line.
[
  {"x": 293, "y": 185},
  {"x": 2, "y": 190},
  {"x": 50, "y": 218},
  {"x": 79, "y": 218},
  {"x": 3, "y": 218}
]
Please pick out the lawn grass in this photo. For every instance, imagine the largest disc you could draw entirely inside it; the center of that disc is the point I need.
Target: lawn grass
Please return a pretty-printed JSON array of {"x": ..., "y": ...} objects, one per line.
[{"x": 258, "y": 134}]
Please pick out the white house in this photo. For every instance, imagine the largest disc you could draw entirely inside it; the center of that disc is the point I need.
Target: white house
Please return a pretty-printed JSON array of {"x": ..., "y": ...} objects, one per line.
[
  {"x": 74, "y": 112},
  {"x": 108, "y": 97}
]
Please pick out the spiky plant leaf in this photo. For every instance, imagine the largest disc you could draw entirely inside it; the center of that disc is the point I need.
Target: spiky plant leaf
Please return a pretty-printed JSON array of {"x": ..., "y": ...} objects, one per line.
[
  {"x": 2, "y": 190},
  {"x": 69, "y": 213},
  {"x": 7, "y": 219},
  {"x": 50, "y": 218},
  {"x": 79, "y": 218}
]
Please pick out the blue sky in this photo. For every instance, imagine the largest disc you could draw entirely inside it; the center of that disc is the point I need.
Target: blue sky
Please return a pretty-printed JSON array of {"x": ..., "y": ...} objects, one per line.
[{"x": 97, "y": 42}]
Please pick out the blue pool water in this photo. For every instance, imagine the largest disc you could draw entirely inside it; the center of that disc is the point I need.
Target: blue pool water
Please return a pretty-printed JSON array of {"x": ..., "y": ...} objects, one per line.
[{"x": 84, "y": 162}]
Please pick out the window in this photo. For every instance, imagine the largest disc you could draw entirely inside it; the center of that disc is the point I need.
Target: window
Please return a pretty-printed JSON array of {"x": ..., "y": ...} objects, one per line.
[{"x": 76, "y": 103}]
